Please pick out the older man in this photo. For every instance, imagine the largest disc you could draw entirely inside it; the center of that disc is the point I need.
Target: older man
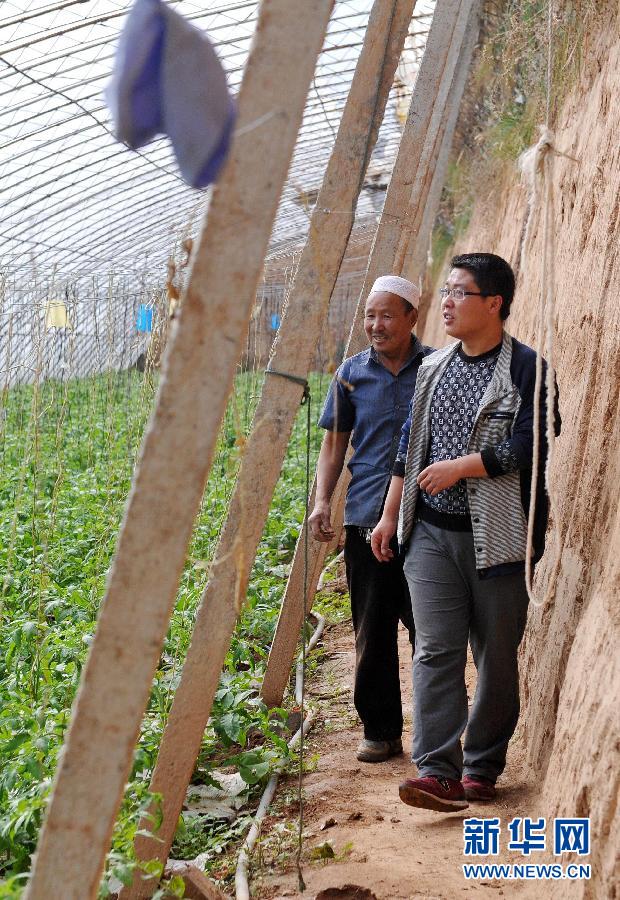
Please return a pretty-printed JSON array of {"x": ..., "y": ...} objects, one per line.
[{"x": 368, "y": 401}]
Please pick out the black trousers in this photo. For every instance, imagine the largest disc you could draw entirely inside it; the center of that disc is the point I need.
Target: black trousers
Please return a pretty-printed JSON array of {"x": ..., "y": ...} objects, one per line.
[{"x": 379, "y": 599}]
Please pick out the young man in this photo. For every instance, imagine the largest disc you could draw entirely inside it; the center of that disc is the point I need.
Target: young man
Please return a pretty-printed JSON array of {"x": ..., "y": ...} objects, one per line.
[
  {"x": 368, "y": 399},
  {"x": 462, "y": 485}
]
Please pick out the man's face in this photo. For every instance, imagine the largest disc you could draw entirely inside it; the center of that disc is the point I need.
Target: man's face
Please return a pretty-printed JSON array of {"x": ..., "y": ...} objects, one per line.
[
  {"x": 471, "y": 315},
  {"x": 387, "y": 325}
]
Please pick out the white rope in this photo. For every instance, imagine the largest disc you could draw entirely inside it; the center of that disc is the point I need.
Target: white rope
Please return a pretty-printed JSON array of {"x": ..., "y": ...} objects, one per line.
[{"x": 536, "y": 166}]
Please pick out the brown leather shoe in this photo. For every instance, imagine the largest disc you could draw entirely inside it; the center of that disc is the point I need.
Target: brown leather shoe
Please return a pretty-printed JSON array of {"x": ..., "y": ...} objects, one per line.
[
  {"x": 433, "y": 792},
  {"x": 477, "y": 787},
  {"x": 378, "y": 751}
]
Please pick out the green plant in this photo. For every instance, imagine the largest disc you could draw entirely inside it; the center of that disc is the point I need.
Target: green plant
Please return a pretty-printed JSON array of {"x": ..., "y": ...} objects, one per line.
[
  {"x": 65, "y": 471},
  {"x": 200, "y": 833}
]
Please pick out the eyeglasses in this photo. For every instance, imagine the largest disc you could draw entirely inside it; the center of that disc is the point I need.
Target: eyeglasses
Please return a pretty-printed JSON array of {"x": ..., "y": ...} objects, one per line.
[{"x": 458, "y": 293}]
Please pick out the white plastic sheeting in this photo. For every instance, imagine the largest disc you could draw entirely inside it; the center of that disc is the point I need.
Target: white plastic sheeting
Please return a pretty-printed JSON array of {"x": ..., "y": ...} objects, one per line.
[{"x": 74, "y": 198}]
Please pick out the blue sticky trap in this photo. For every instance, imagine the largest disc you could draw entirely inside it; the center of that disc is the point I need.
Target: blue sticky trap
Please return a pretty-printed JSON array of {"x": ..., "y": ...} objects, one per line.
[
  {"x": 275, "y": 321},
  {"x": 144, "y": 322}
]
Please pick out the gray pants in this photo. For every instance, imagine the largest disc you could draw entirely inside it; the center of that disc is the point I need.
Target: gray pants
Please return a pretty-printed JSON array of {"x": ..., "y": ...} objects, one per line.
[{"x": 451, "y": 604}]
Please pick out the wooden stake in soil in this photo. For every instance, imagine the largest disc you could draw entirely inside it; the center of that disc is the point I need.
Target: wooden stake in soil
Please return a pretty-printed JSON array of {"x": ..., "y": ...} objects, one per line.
[
  {"x": 176, "y": 453},
  {"x": 273, "y": 421},
  {"x": 454, "y": 26}
]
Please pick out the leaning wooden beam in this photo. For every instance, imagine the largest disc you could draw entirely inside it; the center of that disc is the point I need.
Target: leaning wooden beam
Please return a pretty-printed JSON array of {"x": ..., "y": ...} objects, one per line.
[
  {"x": 433, "y": 163},
  {"x": 419, "y": 147},
  {"x": 265, "y": 448},
  {"x": 417, "y": 252},
  {"x": 430, "y": 178},
  {"x": 290, "y": 620},
  {"x": 404, "y": 202},
  {"x": 177, "y": 452}
]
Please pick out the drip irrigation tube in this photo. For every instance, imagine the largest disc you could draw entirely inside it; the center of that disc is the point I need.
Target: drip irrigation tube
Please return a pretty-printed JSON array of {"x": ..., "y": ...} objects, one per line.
[{"x": 330, "y": 565}]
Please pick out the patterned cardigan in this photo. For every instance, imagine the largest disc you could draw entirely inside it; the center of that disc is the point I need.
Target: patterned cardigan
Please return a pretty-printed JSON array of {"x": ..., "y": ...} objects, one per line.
[{"x": 499, "y": 504}]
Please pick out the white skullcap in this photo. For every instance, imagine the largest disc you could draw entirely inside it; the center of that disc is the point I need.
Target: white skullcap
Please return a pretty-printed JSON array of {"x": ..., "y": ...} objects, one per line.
[{"x": 394, "y": 284}]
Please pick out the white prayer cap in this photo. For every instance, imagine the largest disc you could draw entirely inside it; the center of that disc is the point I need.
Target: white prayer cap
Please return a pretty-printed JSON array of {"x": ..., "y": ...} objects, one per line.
[{"x": 394, "y": 284}]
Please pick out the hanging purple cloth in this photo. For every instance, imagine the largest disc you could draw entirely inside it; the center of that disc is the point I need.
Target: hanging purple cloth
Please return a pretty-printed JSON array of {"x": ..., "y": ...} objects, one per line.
[{"x": 167, "y": 79}]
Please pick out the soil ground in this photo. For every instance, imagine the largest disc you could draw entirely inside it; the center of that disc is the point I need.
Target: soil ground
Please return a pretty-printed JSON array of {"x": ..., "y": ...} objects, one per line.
[{"x": 382, "y": 846}]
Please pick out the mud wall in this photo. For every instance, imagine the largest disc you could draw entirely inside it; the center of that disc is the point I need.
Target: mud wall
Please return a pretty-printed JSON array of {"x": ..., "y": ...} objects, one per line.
[{"x": 570, "y": 662}]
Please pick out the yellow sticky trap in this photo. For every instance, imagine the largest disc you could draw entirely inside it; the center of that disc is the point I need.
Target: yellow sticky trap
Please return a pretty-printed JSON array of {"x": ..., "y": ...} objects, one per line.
[
  {"x": 402, "y": 111},
  {"x": 56, "y": 315}
]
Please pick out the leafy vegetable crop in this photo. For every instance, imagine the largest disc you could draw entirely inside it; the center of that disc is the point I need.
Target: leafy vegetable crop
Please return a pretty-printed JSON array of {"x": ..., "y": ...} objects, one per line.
[{"x": 67, "y": 451}]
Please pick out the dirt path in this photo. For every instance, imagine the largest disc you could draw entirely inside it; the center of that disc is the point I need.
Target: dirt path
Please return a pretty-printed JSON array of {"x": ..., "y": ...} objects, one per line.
[{"x": 381, "y": 845}]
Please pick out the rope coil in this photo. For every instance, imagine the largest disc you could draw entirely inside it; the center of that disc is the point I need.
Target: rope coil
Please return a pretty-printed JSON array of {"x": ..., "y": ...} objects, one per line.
[
  {"x": 537, "y": 171},
  {"x": 536, "y": 166}
]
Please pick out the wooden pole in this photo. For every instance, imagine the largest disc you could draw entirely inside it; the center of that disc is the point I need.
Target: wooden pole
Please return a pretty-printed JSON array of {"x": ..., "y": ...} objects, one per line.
[
  {"x": 402, "y": 212},
  {"x": 294, "y": 350},
  {"x": 176, "y": 453},
  {"x": 419, "y": 147},
  {"x": 418, "y": 250}
]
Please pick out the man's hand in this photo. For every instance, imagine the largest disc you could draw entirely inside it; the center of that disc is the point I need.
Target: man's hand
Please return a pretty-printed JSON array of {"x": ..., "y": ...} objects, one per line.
[
  {"x": 440, "y": 475},
  {"x": 328, "y": 469},
  {"x": 381, "y": 537},
  {"x": 320, "y": 522}
]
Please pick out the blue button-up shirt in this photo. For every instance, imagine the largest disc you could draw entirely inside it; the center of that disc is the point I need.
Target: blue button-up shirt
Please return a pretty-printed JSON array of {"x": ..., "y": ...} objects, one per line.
[{"x": 366, "y": 399}]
